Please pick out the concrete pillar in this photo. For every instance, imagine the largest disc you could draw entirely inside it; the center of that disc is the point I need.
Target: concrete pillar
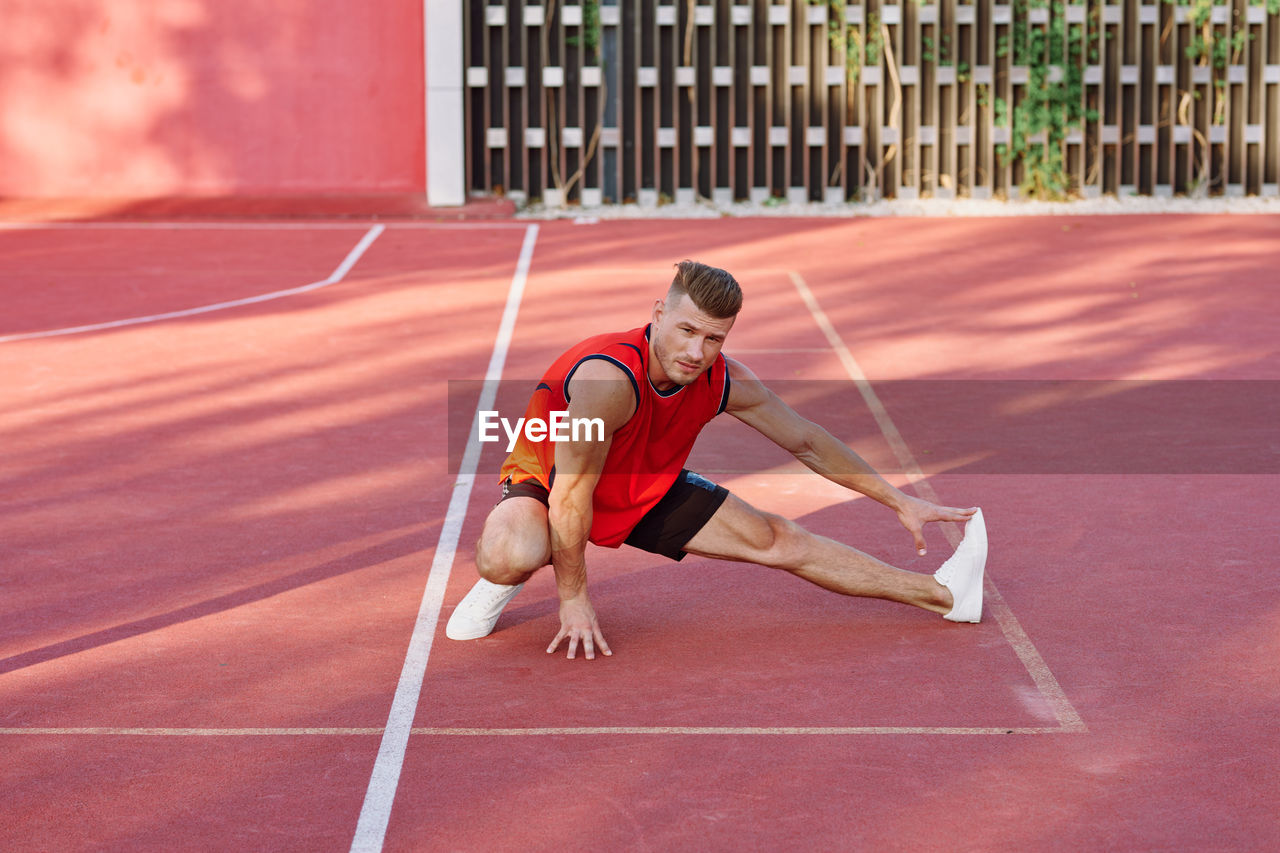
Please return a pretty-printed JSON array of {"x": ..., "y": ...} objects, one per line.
[{"x": 446, "y": 161}]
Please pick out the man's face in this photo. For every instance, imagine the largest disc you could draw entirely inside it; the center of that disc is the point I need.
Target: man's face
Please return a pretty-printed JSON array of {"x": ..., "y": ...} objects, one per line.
[{"x": 684, "y": 340}]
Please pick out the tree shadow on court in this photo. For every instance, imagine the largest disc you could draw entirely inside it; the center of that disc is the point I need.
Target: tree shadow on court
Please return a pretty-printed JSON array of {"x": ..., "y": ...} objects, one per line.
[{"x": 396, "y": 548}]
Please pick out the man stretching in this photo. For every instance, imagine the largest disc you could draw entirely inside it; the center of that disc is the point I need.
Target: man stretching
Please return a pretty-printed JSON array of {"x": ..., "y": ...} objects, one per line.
[{"x": 653, "y": 389}]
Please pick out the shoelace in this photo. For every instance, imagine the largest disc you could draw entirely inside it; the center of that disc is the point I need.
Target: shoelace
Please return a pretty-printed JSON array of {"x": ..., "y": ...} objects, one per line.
[
  {"x": 494, "y": 595},
  {"x": 946, "y": 572}
]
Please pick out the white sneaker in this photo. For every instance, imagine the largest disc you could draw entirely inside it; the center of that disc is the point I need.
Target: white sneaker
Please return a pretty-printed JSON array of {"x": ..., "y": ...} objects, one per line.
[
  {"x": 962, "y": 573},
  {"x": 478, "y": 612}
]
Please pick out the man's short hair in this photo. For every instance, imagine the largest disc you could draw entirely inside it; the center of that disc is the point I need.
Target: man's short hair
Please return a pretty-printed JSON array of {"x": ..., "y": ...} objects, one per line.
[{"x": 712, "y": 290}]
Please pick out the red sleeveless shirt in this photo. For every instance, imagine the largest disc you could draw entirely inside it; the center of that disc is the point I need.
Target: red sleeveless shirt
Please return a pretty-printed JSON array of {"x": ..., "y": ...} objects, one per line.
[{"x": 647, "y": 453}]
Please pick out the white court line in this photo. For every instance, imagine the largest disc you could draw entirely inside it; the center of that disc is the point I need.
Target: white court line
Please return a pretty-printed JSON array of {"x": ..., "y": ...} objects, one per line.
[
  {"x": 133, "y": 731},
  {"x": 371, "y": 829},
  {"x": 738, "y": 730},
  {"x": 1068, "y": 717},
  {"x": 264, "y": 225},
  {"x": 336, "y": 276},
  {"x": 532, "y": 731}
]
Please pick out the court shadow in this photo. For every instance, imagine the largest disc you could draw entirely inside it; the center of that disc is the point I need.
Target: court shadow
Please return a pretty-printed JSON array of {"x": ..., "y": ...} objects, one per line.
[{"x": 397, "y": 547}]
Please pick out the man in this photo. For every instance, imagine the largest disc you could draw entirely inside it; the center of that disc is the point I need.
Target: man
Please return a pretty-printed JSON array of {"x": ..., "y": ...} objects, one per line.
[{"x": 650, "y": 391}]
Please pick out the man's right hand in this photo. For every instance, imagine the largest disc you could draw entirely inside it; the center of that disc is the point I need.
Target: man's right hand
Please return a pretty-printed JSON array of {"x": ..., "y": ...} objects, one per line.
[{"x": 578, "y": 623}]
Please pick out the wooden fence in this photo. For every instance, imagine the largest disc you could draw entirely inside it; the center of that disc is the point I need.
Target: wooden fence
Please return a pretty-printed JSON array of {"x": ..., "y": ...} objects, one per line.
[{"x": 643, "y": 101}]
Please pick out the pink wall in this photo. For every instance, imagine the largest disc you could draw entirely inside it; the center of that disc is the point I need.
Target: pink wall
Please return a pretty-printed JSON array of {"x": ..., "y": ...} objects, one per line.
[{"x": 111, "y": 98}]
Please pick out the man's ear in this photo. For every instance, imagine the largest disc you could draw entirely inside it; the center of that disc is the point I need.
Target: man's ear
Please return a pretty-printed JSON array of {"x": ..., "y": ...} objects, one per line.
[{"x": 658, "y": 307}]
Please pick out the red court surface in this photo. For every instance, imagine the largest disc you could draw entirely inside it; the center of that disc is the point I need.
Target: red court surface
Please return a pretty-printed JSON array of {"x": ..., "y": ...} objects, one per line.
[{"x": 224, "y": 498}]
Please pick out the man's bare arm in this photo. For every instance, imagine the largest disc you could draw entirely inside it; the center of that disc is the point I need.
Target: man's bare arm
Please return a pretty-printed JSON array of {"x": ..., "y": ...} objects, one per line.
[
  {"x": 598, "y": 390},
  {"x": 751, "y": 402}
]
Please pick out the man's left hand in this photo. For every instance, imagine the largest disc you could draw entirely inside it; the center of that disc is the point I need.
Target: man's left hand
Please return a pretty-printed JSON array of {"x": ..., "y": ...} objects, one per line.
[{"x": 915, "y": 513}]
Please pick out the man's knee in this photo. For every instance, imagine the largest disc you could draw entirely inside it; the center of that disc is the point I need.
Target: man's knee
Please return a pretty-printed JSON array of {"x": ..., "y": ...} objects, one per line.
[
  {"x": 779, "y": 542},
  {"x": 511, "y": 547},
  {"x": 508, "y": 559}
]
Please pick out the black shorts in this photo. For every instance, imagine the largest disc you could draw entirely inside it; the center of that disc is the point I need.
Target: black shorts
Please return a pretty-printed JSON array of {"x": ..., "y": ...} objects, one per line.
[{"x": 684, "y": 510}]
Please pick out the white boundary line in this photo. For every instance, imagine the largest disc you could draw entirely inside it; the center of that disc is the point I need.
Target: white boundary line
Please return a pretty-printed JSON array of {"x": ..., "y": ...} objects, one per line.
[
  {"x": 128, "y": 731},
  {"x": 376, "y": 811},
  {"x": 532, "y": 732},
  {"x": 1068, "y": 717},
  {"x": 264, "y": 225},
  {"x": 336, "y": 276},
  {"x": 738, "y": 730}
]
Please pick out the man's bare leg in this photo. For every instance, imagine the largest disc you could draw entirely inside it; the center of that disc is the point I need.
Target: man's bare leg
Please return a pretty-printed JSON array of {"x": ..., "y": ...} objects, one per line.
[
  {"x": 739, "y": 531},
  {"x": 514, "y": 544}
]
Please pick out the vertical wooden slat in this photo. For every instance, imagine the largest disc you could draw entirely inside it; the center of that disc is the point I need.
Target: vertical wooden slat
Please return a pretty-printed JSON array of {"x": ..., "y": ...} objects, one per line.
[
  {"x": 1233, "y": 145},
  {"x": 984, "y": 94},
  {"x": 1164, "y": 94},
  {"x": 760, "y": 113},
  {"x": 647, "y": 104},
  {"x": 1001, "y": 94},
  {"x": 1254, "y": 20},
  {"x": 780, "y": 125},
  {"x": 908, "y": 62},
  {"x": 798, "y": 117},
  {"x": 473, "y": 131},
  {"x": 1074, "y": 52},
  {"x": 681, "y": 113},
  {"x": 724, "y": 118},
  {"x": 670, "y": 67},
  {"x": 612, "y": 59},
  {"x": 535, "y": 124},
  {"x": 707, "y": 98},
  {"x": 1271, "y": 123},
  {"x": 873, "y": 83},
  {"x": 963, "y": 106},
  {"x": 895, "y": 119},
  {"x": 558, "y": 104}
]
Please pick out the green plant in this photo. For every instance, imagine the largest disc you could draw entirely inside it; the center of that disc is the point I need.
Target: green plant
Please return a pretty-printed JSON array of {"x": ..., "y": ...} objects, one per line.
[
  {"x": 589, "y": 41},
  {"x": 875, "y": 40},
  {"x": 591, "y": 26},
  {"x": 1215, "y": 48},
  {"x": 943, "y": 54},
  {"x": 1051, "y": 105},
  {"x": 848, "y": 42}
]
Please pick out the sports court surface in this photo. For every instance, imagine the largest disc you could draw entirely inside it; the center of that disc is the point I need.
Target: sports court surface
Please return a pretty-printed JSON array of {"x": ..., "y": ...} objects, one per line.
[{"x": 231, "y": 531}]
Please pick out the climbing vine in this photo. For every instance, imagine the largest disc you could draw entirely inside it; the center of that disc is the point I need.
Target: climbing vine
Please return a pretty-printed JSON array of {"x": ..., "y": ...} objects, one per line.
[
  {"x": 858, "y": 47},
  {"x": 1051, "y": 105},
  {"x": 589, "y": 44},
  {"x": 1214, "y": 48}
]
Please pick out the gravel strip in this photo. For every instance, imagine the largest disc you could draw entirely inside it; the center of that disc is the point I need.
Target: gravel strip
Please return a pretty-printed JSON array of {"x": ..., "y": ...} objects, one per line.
[{"x": 1105, "y": 206}]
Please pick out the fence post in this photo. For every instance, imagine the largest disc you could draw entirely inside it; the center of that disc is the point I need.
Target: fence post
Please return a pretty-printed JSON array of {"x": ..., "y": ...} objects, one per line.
[{"x": 446, "y": 162}]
